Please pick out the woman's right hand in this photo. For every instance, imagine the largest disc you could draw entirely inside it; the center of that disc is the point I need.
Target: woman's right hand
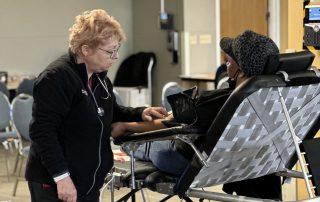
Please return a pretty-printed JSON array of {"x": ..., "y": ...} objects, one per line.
[
  {"x": 66, "y": 190},
  {"x": 118, "y": 129}
]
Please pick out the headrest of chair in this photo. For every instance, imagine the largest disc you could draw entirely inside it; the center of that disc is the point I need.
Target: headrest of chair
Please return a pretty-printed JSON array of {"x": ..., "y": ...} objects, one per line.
[
  {"x": 295, "y": 62},
  {"x": 289, "y": 62}
]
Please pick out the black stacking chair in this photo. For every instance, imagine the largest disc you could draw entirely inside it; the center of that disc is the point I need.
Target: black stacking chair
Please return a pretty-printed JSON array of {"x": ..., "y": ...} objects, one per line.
[
  {"x": 257, "y": 132},
  {"x": 136, "y": 72},
  {"x": 4, "y": 89},
  {"x": 26, "y": 87}
]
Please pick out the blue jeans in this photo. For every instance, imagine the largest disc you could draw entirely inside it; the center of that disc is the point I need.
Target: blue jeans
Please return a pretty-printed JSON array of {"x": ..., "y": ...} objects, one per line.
[{"x": 163, "y": 155}]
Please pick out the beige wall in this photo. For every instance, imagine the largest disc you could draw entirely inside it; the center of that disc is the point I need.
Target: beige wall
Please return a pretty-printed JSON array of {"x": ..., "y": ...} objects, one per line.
[
  {"x": 199, "y": 24},
  {"x": 35, "y": 32},
  {"x": 147, "y": 36},
  {"x": 291, "y": 25}
]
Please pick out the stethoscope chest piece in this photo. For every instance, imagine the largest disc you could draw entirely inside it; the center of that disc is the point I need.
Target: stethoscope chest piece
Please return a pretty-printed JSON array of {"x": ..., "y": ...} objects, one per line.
[{"x": 100, "y": 111}]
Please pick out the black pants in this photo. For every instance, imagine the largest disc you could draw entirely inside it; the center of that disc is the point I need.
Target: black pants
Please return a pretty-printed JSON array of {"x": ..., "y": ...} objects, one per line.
[{"x": 48, "y": 193}]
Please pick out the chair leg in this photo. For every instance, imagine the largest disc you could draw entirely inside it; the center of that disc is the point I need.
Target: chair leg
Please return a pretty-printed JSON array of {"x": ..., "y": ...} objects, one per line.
[
  {"x": 166, "y": 198},
  {"x": 20, "y": 167},
  {"x": 15, "y": 187},
  {"x": 128, "y": 195},
  {"x": 7, "y": 165},
  {"x": 17, "y": 176},
  {"x": 142, "y": 194},
  {"x": 112, "y": 190},
  {"x": 187, "y": 199},
  {"x": 16, "y": 164},
  {"x": 111, "y": 185}
]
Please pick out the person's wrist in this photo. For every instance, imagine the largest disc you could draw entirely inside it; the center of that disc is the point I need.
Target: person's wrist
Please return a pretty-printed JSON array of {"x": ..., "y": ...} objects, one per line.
[{"x": 61, "y": 177}]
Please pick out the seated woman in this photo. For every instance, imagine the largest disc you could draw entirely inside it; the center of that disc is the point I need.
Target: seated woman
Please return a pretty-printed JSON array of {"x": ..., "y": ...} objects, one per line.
[{"x": 247, "y": 56}]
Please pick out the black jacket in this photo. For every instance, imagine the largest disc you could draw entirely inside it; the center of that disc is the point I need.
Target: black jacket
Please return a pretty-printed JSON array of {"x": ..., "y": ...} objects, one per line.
[{"x": 66, "y": 131}]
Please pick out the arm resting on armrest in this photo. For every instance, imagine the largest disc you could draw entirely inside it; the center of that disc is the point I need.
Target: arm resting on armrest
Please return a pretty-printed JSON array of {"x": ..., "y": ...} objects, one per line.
[
  {"x": 122, "y": 128},
  {"x": 161, "y": 134}
]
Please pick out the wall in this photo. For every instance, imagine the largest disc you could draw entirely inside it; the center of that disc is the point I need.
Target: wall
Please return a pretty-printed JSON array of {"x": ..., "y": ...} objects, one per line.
[
  {"x": 199, "y": 27},
  {"x": 194, "y": 20},
  {"x": 147, "y": 36},
  {"x": 35, "y": 32},
  {"x": 291, "y": 25}
]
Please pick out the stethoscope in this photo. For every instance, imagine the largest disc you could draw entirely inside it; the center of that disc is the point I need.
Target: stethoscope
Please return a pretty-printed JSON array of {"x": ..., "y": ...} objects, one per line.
[{"x": 100, "y": 110}]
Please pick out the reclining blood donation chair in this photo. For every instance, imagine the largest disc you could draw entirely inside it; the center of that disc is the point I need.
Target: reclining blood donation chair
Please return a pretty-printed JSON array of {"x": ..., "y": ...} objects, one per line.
[{"x": 257, "y": 132}]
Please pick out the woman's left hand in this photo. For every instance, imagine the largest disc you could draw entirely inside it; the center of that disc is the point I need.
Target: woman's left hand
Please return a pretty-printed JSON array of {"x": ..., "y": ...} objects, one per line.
[{"x": 151, "y": 113}]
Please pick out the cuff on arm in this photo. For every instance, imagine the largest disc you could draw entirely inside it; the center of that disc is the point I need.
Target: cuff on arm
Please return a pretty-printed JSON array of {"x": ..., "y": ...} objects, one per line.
[{"x": 62, "y": 176}]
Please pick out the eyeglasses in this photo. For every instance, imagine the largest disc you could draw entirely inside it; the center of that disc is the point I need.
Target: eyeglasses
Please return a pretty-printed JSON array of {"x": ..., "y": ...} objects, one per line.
[{"x": 112, "y": 53}]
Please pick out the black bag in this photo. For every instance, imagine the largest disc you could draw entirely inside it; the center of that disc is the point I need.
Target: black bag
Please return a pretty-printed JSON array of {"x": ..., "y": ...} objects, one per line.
[
  {"x": 198, "y": 110},
  {"x": 183, "y": 106}
]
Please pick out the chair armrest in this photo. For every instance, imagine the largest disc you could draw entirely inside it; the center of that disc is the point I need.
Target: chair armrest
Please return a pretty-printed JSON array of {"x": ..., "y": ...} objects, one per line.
[{"x": 162, "y": 134}]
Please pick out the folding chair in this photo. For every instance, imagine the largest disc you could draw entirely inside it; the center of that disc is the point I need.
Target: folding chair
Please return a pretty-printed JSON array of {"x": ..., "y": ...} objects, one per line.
[
  {"x": 4, "y": 89},
  {"x": 257, "y": 132},
  {"x": 169, "y": 89},
  {"x": 135, "y": 74},
  {"x": 26, "y": 87},
  {"x": 21, "y": 117},
  {"x": 7, "y": 136}
]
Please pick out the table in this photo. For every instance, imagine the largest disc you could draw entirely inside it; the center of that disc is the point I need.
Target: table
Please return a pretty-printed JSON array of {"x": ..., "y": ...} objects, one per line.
[
  {"x": 13, "y": 85},
  {"x": 201, "y": 80}
]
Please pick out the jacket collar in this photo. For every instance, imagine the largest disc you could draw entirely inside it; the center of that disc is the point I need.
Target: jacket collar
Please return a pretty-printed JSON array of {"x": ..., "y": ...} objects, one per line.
[{"x": 81, "y": 68}]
